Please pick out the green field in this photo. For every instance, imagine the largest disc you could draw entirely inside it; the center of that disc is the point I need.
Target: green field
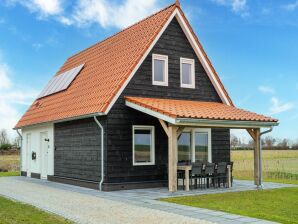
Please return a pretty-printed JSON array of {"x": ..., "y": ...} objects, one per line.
[
  {"x": 12, "y": 212},
  {"x": 278, "y": 165},
  {"x": 279, "y": 205},
  {"x": 9, "y": 162}
]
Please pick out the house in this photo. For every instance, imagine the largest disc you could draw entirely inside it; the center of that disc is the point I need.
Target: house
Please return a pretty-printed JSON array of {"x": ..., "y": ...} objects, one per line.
[{"x": 121, "y": 113}]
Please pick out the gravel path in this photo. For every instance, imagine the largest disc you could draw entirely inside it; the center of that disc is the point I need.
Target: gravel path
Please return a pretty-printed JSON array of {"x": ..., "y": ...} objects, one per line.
[{"x": 84, "y": 208}]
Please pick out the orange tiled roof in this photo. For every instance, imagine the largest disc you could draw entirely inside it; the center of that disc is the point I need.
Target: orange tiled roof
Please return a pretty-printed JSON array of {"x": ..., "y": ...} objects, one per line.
[
  {"x": 108, "y": 65},
  {"x": 198, "y": 109}
]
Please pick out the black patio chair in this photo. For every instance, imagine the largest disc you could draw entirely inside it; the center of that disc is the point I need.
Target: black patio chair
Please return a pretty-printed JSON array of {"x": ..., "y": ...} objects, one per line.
[
  {"x": 231, "y": 167},
  {"x": 221, "y": 174},
  {"x": 197, "y": 174},
  {"x": 209, "y": 173}
]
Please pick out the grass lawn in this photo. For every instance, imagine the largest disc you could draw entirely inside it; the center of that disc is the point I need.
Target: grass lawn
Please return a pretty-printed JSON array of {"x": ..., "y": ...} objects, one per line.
[
  {"x": 12, "y": 212},
  {"x": 280, "y": 205},
  {"x": 10, "y": 173}
]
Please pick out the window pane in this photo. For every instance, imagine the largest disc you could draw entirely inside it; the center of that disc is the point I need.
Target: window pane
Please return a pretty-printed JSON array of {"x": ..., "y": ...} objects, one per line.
[
  {"x": 201, "y": 147},
  {"x": 184, "y": 147},
  {"x": 142, "y": 141},
  {"x": 186, "y": 73},
  {"x": 159, "y": 70}
]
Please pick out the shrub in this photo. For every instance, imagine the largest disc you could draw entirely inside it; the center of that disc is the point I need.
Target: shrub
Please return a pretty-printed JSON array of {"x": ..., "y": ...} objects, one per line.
[{"x": 5, "y": 146}]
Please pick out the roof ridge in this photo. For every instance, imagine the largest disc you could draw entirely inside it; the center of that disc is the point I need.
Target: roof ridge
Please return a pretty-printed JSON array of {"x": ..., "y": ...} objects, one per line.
[{"x": 125, "y": 29}]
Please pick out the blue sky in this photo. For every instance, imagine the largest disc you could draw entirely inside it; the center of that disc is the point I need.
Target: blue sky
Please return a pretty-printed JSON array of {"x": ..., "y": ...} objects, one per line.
[{"x": 252, "y": 44}]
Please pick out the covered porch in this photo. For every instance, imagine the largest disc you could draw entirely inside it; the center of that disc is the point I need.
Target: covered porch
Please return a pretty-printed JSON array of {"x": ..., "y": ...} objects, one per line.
[{"x": 176, "y": 116}]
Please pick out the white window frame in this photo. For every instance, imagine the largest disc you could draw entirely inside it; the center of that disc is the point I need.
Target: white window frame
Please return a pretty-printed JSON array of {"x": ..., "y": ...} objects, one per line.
[
  {"x": 165, "y": 59},
  {"x": 192, "y": 141},
  {"x": 152, "y": 148},
  {"x": 192, "y": 70}
]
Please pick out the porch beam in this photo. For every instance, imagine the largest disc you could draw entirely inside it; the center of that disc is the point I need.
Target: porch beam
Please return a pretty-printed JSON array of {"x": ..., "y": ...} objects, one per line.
[
  {"x": 164, "y": 126},
  {"x": 172, "y": 158},
  {"x": 251, "y": 133},
  {"x": 179, "y": 131},
  {"x": 257, "y": 157}
]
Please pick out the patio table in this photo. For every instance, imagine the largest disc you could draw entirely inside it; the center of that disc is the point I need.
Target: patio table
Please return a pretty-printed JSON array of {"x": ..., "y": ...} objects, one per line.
[{"x": 186, "y": 169}]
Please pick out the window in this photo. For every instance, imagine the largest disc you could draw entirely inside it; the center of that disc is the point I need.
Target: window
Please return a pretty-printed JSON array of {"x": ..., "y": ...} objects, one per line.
[
  {"x": 194, "y": 145},
  {"x": 159, "y": 70},
  {"x": 201, "y": 147},
  {"x": 187, "y": 73},
  {"x": 143, "y": 145},
  {"x": 184, "y": 147}
]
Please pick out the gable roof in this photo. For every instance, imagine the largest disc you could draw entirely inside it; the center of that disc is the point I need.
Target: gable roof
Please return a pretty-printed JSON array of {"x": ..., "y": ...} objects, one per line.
[{"x": 109, "y": 65}]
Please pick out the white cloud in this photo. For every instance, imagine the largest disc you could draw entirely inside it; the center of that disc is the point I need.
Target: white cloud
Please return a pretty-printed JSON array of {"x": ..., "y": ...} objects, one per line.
[
  {"x": 37, "y": 46},
  {"x": 237, "y": 6},
  {"x": 106, "y": 13},
  {"x": 43, "y": 7},
  {"x": 11, "y": 96},
  {"x": 5, "y": 81},
  {"x": 278, "y": 107},
  {"x": 266, "y": 89},
  {"x": 85, "y": 12},
  {"x": 291, "y": 6}
]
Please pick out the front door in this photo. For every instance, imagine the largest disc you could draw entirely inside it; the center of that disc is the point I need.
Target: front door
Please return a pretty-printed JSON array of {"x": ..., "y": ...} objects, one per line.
[{"x": 44, "y": 145}]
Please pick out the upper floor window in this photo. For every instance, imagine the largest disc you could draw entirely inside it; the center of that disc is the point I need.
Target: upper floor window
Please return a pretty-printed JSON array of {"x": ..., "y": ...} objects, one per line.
[
  {"x": 187, "y": 73},
  {"x": 160, "y": 70}
]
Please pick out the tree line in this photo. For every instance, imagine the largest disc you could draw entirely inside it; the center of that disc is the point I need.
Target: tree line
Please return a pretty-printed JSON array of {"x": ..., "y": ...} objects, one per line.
[
  {"x": 7, "y": 143},
  {"x": 268, "y": 143}
]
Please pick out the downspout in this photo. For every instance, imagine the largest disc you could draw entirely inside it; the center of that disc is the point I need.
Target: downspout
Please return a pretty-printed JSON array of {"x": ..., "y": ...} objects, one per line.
[
  {"x": 262, "y": 133},
  {"x": 102, "y": 153},
  {"x": 21, "y": 160}
]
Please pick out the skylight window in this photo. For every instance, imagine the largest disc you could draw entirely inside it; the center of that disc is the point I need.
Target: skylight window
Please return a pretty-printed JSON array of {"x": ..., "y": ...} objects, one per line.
[{"x": 60, "y": 82}]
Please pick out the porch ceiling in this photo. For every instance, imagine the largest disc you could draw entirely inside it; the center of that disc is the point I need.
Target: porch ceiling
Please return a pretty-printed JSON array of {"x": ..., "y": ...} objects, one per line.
[{"x": 198, "y": 113}]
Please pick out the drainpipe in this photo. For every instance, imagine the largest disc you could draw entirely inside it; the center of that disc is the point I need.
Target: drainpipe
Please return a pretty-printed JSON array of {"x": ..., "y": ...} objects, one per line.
[
  {"x": 102, "y": 153},
  {"x": 262, "y": 133},
  {"x": 21, "y": 137}
]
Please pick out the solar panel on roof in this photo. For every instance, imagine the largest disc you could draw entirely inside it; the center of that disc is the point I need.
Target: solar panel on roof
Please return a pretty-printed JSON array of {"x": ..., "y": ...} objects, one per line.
[{"x": 60, "y": 82}]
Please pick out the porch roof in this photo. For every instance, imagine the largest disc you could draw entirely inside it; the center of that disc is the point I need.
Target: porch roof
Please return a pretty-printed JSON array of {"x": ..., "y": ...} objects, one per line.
[{"x": 199, "y": 113}]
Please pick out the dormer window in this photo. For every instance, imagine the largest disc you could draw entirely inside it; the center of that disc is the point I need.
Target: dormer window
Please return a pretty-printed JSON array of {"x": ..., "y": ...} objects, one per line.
[
  {"x": 159, "y": 70},
  {"x": 187, "y": 73}
]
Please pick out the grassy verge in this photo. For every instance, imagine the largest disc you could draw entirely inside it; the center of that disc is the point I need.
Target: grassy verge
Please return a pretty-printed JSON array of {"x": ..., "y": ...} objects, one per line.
[
  {"x": 273, "y": 180},
  {"x": 279, "y": 205},
  {"x": 8, "y": 174},
  {"x": 14, "y": 212}
]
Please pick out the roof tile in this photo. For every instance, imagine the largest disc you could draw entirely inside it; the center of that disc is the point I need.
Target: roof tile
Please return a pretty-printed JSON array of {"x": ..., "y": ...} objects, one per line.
[{"x": 198, "y": 109}]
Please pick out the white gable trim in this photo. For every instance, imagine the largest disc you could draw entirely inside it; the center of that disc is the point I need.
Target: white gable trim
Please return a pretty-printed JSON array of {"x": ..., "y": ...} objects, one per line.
[
  {"x": 202, "y": 58},
  {"x": 196, "y": 48},
  {"x": 140, "y": 62}
]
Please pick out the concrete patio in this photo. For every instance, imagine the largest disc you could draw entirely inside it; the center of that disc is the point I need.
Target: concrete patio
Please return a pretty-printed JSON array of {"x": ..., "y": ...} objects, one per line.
[{"x": 84, "y": 205}]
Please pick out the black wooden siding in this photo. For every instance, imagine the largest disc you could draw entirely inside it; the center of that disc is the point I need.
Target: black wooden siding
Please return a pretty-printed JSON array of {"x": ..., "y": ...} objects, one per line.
[
  {"x": 77, "y": 149},
  {"x": 121, "y": 118}
]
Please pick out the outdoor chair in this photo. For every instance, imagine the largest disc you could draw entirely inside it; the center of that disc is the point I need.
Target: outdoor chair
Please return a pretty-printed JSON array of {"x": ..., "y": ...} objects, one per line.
[
  {"x": 209, "y": 173},
  {"x": 197, "y": 174},
  {"x": 231, "y": 167},
  {"x": 221, "y": 174}
]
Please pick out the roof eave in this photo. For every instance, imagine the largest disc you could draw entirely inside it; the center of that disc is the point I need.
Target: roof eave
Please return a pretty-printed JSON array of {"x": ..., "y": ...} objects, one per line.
[
  {"x": 60, "y": 120},
  {"x": 225, "y": 123}
]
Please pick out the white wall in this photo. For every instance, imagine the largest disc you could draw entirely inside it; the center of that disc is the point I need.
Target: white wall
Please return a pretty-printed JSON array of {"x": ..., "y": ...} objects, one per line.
[{"x": 34, "y": 135}]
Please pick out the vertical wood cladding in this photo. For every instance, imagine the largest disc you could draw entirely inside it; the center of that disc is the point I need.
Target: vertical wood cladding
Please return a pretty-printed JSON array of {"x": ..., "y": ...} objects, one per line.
[
  {"x": 120, "y": 119},
  {"x": 77, "y": 149},
  {"x": 220, "y": 145}
]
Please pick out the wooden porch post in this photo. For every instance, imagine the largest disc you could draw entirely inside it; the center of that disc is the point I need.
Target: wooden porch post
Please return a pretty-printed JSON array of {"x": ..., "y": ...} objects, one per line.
[
  {"x": 172, "y": 160},
  {"x": 257, "y": 157}
]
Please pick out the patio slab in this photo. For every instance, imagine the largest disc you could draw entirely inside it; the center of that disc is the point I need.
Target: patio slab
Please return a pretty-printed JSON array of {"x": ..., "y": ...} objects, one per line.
[{"x": 40, "y": 192}]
